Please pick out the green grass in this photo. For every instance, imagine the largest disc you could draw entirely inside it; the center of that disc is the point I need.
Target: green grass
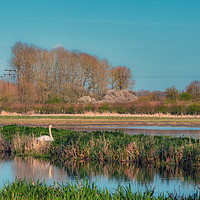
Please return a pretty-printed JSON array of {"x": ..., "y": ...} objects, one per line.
[
  {"x": 22, "y": 189},
  {"x": 149, "y": 118},
  {"x": 105, "y": 147},
  {"x": 97, "y": 120}
]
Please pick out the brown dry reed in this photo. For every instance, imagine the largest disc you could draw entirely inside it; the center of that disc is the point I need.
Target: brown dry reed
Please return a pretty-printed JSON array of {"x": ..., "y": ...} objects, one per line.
[
  {"x": 29, "y": 144},
  {"x": 4, "y": 145}
]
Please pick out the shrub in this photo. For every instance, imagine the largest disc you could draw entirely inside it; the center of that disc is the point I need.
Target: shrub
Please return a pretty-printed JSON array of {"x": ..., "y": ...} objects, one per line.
[
  {"x": 185, "y": 96},
  {"x": 70, "y": 110},
  {"x": 175, "y": 109},
  {"x": 90, "y": 107},
  {"x": 132, "y": 109},
  {"x": 54, "y": 100},
  {"x": 104, "y": 108},
  {"x": 162, "y": 109},
  {"x": 121, "y": 109},
  {"x": 193, "y": 109},
  {"x": 80, "y": 110}
]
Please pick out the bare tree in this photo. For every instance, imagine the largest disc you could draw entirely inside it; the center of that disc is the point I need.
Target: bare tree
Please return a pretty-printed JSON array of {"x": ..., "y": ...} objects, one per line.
[
  {"x": 172, "y": 93},
  {"x": 64, "y": 74},
  {"x": 121, "y": 78},
  {"x": 8, "y": 92},
  {"x": 194, "y": 89}
]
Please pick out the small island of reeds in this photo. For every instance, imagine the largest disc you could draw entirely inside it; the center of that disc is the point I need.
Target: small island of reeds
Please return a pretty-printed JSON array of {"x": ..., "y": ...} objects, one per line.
[{"x": 107, "y": 146}]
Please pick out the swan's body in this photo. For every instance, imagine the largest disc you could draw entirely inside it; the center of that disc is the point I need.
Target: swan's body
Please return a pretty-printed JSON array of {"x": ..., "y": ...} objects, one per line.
[{"x": 46, "y": 138}]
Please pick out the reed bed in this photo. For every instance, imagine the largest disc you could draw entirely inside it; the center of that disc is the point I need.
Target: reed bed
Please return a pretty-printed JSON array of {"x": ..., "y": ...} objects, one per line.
[
  {"x": 4, "y": 145},
  {"x": 25, "y": 144},
  {"x": 106, "y": 147},
  {"x": 22, "y": 189}
]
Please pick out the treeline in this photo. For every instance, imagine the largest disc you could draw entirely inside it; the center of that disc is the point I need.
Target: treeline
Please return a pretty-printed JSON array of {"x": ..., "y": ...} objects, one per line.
[
  {"x": 53, "y": 81},
  {"x": 137, "y": 107},
  {"x": 172, "y": 101},
  {"x": 44, "y": 76}
]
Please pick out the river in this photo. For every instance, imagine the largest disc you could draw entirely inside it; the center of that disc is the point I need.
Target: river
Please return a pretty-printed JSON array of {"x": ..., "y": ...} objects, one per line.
[{"x": 105, "y": 175}]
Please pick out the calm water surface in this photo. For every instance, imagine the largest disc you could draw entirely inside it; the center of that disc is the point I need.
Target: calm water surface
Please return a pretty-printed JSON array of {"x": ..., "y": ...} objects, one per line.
[
  {"x": 174, "y": 131},
  {"x": 165, "y": 179},
  {"x": 183, "y": 131}
]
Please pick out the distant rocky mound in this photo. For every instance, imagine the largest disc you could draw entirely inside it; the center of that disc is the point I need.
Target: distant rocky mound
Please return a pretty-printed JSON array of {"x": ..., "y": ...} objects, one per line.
[
  {"x": 122, "y": 96},
  {"x": 112, "y": 96}
]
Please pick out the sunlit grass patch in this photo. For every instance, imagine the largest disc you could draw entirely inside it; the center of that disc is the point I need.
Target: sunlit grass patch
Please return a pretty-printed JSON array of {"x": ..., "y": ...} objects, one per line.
[{"x": 22, "y": 189}]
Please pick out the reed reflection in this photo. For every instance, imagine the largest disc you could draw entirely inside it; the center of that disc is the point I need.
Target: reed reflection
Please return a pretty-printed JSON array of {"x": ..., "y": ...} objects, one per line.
[
  {"x": 127, "y": 172},
  {"x": 62, "y": 171},
  {"x": 4, "y": 157}
]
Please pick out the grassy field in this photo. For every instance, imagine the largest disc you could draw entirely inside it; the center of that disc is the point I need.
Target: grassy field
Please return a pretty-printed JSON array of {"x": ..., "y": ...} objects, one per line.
[
  {"x": 100, "y": 120},
  {"x": 21, "y": 189}
]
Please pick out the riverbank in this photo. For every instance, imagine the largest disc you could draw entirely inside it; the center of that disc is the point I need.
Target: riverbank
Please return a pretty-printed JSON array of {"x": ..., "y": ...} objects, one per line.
[
  {"x": 98, "y": 119},
  {"x": 21, "y": 189}
]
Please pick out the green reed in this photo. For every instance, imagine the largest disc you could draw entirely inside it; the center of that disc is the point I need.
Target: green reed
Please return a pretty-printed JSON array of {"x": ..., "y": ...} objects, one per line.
[
  {"x": 22, "y": 189},
  {"x": 106, "y": 147}
]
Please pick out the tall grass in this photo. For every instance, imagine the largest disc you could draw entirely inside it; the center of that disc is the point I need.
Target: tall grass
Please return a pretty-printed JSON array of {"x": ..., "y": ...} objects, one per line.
[
  {"x": 4, "y": 145},
  {"x": 28, "y": 144},
  {"x": 21, "y": 189},
  {"x": 106, "y": 147}
]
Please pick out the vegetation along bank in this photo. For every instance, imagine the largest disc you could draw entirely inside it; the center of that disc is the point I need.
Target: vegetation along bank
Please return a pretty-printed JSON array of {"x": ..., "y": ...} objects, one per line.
[
  {"x": 103, "y": 147},
  {"x": 21, "y": 189}
]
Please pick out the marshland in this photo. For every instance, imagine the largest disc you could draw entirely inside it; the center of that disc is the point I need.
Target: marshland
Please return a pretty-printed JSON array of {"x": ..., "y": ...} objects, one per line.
[
  {"x": 120, "y": 83},
  {"x": 102, "y": 146},
  {"x": 87, "y": 164}
]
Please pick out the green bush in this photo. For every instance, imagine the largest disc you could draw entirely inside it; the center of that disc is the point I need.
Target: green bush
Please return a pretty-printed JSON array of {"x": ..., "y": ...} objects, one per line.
[
  {"x": 70, "y": 110},
  {"x": 55, "y": 100},
  {"x": 90, "y": 107},
  {"x": 185, "y": 96},
  {"x": 175, "y": 110},
  {"x": 119, "y": 109},
  {"x": 193, "y": 109},
  {"x": 104, "y": 108},
  {"x": 162, "y": 109}
]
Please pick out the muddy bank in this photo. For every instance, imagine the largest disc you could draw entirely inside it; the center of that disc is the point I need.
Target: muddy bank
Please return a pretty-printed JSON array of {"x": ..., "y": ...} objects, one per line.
[{"x": 89, "y": 119}]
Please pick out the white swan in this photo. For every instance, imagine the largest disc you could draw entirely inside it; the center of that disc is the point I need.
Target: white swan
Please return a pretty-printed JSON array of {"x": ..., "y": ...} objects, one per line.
[{"x": 46, "y": 137}]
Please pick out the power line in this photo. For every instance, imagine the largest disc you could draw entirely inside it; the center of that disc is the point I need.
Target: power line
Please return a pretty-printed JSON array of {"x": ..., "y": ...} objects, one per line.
[
  {"x": 9, "y": 73},
  {"x": 167, "y": 76}
]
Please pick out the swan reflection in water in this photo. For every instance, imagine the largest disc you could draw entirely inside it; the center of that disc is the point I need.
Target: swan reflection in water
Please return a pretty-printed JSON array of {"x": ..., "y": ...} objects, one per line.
[
  {"x": 106, "y": 175},
  {"x": 37, "y": 169},
  {"x": 45, "y": 170}
]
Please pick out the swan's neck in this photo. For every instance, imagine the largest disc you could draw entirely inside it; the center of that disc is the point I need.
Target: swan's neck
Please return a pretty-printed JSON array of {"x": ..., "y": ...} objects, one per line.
[{"x": 50, "y": 133}]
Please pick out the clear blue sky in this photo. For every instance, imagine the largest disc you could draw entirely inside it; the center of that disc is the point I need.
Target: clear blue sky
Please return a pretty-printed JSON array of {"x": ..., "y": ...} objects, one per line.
[{"x": 159, "y": 40}]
